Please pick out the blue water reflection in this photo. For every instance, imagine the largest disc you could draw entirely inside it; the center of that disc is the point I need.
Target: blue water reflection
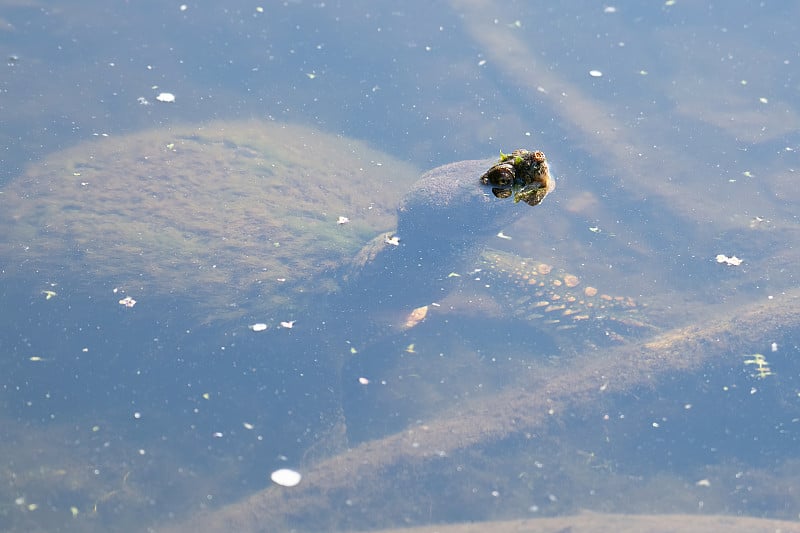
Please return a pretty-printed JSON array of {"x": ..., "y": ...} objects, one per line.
[{"x": 683, "y": 145}]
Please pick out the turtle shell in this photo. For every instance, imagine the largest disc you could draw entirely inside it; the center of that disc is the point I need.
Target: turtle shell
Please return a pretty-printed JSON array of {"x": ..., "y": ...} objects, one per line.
[{"x": 227, "y": 212}]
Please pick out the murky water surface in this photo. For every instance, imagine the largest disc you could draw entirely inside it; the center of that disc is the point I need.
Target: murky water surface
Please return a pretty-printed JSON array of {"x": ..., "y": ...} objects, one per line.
[{"x": 188, "y": 194}]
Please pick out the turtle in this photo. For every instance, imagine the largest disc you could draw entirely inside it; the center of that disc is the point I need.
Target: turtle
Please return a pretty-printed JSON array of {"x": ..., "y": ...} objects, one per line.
[
  {"x": 255, "y": 224},
  {"x": 249, "y": 221},
  {"x": 258, "y": 220}
]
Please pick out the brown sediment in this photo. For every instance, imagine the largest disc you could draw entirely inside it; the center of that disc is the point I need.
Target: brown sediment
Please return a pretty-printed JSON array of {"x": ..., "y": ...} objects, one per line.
[
  {"x": 587, "y": 522},
  {"x": 514, "y": 411}
]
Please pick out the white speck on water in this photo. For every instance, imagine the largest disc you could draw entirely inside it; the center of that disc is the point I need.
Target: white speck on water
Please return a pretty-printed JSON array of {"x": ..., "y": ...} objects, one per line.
[
  {"x": 730, "y": 261},
  {"x": 286, "y": 477}
]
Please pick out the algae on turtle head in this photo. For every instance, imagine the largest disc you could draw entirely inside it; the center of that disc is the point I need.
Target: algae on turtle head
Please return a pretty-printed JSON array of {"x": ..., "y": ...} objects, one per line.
[{"x": 524, "y": 174}]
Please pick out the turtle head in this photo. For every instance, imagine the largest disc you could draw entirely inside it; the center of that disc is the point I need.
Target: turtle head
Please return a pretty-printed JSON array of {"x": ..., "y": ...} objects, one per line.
[
  {"x": 443, "y": 222},
  {"x": 451, "y": 205}
]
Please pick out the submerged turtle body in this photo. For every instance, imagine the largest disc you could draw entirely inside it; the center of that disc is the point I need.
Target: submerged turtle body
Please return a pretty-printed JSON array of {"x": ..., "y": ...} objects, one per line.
[
  {"x": 259, "y": 218},
  {"x": 233, "y": 218},
  {"x": 559, "y": 301},
  {"x": 440, "y": 247}
]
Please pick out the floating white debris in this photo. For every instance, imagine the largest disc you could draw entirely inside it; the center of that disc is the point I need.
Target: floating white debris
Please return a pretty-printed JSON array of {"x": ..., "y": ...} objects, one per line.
[
  {"x": 285, "y": 477},
  {"x": 343, "y": 220},
  {"x": 167, "y": 98},
  {"x": 730, "y": 261},
  {"x": 504, "y": 236},
  {"x": 595, "y": 74},
  {"x": 703, "y": 483},
  {"x": 394, "y": 241},
  {"x": 127, "y": 302},
  {"x": 288, "y": 324},
  {"x": 363, "y": 381},
  {"x": 260, "y": 326}
]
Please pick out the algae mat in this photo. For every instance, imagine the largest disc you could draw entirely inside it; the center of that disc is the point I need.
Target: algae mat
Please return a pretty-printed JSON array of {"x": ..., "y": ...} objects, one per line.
[{"x": 224, "y": 212}]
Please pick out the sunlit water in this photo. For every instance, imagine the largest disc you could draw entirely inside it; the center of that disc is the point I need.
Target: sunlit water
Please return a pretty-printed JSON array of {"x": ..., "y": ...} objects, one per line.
[{"x": 683, "y": 145}]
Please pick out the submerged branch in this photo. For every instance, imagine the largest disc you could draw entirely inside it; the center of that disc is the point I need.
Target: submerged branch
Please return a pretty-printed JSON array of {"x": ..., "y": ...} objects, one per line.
[{"x": 624, "y": 368}]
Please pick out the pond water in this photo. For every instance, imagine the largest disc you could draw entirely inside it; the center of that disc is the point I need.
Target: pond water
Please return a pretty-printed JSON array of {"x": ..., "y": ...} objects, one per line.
[{"x": 513, "y": 392}]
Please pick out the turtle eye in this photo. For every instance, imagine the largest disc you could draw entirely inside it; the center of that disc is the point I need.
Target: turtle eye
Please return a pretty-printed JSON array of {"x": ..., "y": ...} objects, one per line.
[{"x": 501, "y": 175}]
